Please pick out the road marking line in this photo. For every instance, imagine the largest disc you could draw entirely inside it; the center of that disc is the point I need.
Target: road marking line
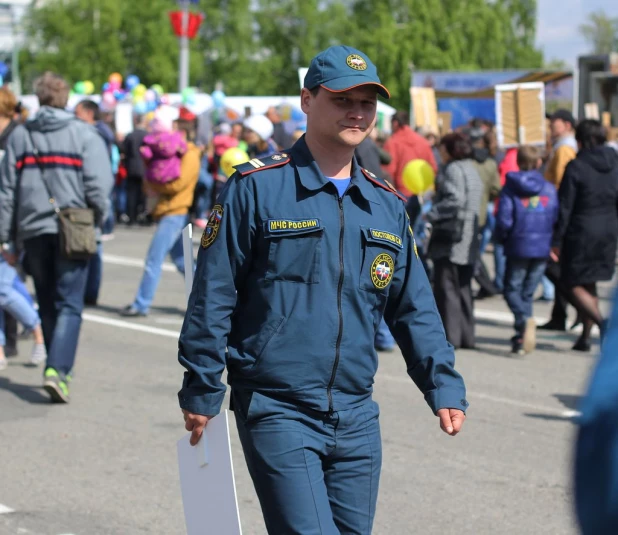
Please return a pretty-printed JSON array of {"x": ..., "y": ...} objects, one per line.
[
  {"x": 133, "y": 262},
  {"x": 173, "y": 334},
  {"x": 5, "y": 509},
  {"x": 129, "y": 325},
  {"x": 497, "y": 399},
  {"x": 169, "y": 321}
]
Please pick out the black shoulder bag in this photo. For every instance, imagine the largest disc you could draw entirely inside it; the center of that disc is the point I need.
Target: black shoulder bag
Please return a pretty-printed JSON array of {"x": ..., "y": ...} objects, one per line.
[
  {"x": 76, "y": 231},
  {"x": 451, "y": 230}
]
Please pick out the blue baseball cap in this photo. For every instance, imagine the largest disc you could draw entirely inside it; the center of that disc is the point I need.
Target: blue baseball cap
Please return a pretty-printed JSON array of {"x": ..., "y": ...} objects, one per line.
[{"x": 340, "y": 68}]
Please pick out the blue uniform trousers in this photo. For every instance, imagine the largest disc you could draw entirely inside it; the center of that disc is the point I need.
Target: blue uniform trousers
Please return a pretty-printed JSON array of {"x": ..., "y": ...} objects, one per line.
[{"x": 315, "y": 473}]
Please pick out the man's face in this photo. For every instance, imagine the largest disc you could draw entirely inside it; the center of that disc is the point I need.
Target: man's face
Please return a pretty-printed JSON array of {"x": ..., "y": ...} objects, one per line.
[
  {"x": 344, "y": 119},
  {"x": 237, "y": 130},
  {"x": 250, "y": 137},
  {"x": 273, "y": 115},
  {"x": 83, "y": 114},
  {"x": 559, "y": 128}
]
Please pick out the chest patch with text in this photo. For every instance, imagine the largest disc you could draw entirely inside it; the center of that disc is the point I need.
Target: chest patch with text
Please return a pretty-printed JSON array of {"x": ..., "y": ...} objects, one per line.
[
  {"x": 386, "y": 237},
  {"x": 286, "y": 226}
]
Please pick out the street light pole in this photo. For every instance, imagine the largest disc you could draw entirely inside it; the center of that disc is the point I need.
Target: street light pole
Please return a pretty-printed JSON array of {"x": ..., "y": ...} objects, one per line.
[
  {"x": 183, "y": 81},
  {"x": 15, "y": 27}
]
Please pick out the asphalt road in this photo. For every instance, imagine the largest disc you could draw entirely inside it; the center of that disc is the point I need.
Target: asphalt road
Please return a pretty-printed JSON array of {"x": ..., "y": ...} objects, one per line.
[{"x": 106, "y": 463}]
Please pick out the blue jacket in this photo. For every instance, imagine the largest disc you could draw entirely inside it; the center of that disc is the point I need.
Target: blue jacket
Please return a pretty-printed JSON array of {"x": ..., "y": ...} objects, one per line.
[
  {"x": 294, "y": 281},
  {"x": 527, "y": 213},
  {"x": 596, "y": 453}
]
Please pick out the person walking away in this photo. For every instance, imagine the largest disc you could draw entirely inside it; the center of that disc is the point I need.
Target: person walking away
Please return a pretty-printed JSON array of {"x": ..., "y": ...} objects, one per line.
[
  {"x": 136, "y": 169},
  {"x": 303, "y": 255},
  {"x": 258, "y": 132},
  {"x": 89, "y": 112},
  {"x": 21, "y": 308},
  {"x": 72, "y": 163},
  {"x": 405, "y": 145},
  {"x": 171, "y": 213},
  {"x": 587, "y": 230},
  {"x": 205, "y": 192},
  {"x": 8, "y": 108},
  {"x": 562, "y": 127},
  {"x": 527, "y": 212},
  {"x": 454, "y": 242},
  {"x": 162, "y": 151},
  {"x": 488, "y": 171},
  {"x": 507, "y": 165},
  {"x": 280, "y": 136}
]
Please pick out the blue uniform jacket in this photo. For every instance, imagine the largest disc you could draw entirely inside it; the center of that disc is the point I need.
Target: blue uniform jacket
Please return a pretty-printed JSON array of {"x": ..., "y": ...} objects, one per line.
[
  {"x": 527, "y": 212},
  {"x": 294, "y": 282},
  {"x": 596, "y": 454}
]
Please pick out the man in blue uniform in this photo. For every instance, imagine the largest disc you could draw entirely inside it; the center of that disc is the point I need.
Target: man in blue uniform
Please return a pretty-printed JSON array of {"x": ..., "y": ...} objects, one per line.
[{"x": 302, "y": 256}]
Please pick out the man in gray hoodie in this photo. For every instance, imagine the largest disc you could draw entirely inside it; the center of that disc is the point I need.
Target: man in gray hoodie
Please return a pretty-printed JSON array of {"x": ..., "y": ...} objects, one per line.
[{"x": 56, "y": 149}]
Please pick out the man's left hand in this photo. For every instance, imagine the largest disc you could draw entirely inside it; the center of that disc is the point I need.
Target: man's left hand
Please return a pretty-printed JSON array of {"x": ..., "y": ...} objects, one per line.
[{"x": 451, "y": 420}]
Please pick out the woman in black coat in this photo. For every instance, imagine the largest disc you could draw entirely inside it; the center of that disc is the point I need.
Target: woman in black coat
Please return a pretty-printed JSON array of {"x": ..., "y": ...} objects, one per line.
[{"x": 587, "y": 230}]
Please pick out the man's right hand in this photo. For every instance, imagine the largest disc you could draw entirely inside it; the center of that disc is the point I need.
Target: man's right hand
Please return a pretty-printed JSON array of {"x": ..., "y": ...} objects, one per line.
[{"x": 196, "y": 424}]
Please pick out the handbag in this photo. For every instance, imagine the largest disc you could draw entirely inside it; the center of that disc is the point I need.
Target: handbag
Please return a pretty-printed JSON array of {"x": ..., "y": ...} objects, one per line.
[
  {"x": 76, "y": 229},
  {"x": 450, "y": 231}
]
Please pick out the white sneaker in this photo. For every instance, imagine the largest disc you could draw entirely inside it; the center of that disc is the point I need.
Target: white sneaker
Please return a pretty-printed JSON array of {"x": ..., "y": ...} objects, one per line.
[
  {"x": 38, "y": 355},
  {"x": 3, "y": 363}
]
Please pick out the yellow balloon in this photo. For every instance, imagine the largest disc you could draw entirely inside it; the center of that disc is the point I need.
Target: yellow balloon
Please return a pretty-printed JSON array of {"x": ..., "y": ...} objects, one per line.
[
  {"x": 88, "y": 87},
  {"x": 418, "y": 176},
  {"x": 230, "y": 158},
  {"x": 139, "y": 90}
]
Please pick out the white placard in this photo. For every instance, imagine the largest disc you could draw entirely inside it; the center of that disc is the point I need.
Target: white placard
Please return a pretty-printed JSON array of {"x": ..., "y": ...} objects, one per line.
[
  {"x": 207, "y": 481},
  {"x": 124, "y": 118}
]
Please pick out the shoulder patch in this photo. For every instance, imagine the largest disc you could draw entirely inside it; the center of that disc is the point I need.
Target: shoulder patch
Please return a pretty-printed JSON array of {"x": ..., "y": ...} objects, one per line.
[
  {"x": 384, "y": 184},
  {"x": 276, "y": 160}
]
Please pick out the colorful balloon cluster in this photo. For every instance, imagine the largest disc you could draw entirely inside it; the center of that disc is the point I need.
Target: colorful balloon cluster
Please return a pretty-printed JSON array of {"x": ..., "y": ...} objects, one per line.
[{"x": 144, "y": 100}]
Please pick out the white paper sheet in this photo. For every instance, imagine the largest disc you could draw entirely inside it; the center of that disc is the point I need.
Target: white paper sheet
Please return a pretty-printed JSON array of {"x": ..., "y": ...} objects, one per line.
[{"x": 207, "y": 481}]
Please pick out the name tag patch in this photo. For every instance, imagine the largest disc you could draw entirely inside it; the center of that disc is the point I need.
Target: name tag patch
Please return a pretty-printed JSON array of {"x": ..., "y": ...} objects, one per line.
[
  {"x": 387, "y": 237},
  {"x": 280, "y": 226}
]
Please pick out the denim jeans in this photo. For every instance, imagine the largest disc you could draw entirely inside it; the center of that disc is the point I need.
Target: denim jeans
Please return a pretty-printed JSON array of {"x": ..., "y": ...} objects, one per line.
[
  {"x": 488, "y": 229},
  {"x": 14, "y": 302},
  {"x": 60, "y": 286},
  {"x": 95, "y": 275},
  {"x": 384, "y": 339},
  {"x": 500, "y": 266},
  {"x": 167, "y": 239},
  {"x": 120, "y": 197},
  {"x": 110, "y": 219},
  {"x": 521, "y": 280},
  {"x": 203, "y": 193},
  {"x": 549, "y": 290}
]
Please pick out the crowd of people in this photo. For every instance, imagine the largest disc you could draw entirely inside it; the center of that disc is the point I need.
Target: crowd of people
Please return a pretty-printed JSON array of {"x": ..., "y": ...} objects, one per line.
[{"x": 549, "y": 213}]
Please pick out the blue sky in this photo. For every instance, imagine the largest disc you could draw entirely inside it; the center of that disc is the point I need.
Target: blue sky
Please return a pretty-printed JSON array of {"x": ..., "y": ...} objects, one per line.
[{"x": 557, "y": 25}]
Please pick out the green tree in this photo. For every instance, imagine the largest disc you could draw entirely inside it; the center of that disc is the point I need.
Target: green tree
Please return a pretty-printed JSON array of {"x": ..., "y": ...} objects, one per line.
[
  {"x": 229, "y": 48},
  {"x": 556, "y": 65},
  {"x": 90, "y": 39},
  {"x": 405, "y": 35},
  {"x": 601, "y": 32},
  {"x": 290, "y": 32}
]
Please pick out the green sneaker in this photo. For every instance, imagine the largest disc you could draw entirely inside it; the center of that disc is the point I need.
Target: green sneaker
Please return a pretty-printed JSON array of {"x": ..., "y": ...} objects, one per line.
[{"x": 56, "y": 386}]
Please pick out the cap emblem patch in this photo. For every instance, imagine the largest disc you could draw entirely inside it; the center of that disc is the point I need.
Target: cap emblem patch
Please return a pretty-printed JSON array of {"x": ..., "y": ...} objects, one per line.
[{"x": 356, "y": 62}]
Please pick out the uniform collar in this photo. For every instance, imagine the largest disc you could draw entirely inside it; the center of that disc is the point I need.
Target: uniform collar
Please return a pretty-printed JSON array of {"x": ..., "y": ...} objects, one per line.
[{"x": 313, "y": 179}]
